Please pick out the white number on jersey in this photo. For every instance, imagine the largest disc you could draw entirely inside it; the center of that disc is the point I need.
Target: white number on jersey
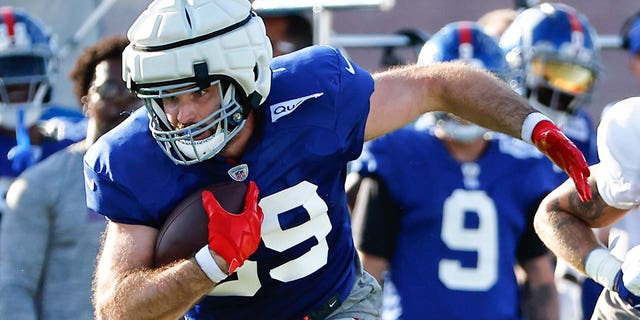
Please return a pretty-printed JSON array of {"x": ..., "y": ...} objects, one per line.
[
  {"x": 483, "y": 240},
  {"x": 274, "y": 237}
]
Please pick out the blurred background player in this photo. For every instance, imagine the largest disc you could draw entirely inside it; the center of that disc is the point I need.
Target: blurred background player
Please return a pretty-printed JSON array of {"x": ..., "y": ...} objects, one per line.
[
  {"x": 495, "y": 22},
  {"x": 288, "y": 31},
  {"x": 27, "y": 54},
  {"x": 622, "y": 235},
  {"x": 565, "y": 224},
  {"x": 553, "y": 51},
  {"x": 443, "y": 208},
  {"x": 48, "y": 241}
]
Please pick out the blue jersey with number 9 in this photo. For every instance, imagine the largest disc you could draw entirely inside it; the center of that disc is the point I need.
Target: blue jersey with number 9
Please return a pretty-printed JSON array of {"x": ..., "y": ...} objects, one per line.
[{"x": 453, "y": 232}]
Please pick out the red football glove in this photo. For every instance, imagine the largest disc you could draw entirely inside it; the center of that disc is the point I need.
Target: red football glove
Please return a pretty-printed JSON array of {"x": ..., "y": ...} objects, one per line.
[
  {"x": 234, "y": 236},
  {"x": 552, "y": 142}
]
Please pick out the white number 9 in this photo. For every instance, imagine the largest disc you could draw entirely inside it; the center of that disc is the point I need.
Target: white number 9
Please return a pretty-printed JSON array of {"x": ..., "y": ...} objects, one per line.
[
  {"x": 483, "y": 240},
  {"x": 318, "y": 225}
]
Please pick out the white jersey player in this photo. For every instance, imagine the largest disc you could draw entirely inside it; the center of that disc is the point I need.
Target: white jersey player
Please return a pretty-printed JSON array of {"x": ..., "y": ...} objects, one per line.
[{"x": 564, "y": 223}]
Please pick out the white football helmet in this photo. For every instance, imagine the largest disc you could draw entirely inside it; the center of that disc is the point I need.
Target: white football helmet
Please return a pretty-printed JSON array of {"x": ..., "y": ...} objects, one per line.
[
  {"x": 182, "y": 46},
  {"x": 26, "y": 52}
]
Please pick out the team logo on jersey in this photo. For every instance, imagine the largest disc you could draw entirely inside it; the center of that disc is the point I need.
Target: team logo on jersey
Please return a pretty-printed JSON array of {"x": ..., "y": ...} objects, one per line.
[
  {"x": 239, "y": 172},
  {"x": 470, "y": 173},
  {"x": 284, "y": 108}
]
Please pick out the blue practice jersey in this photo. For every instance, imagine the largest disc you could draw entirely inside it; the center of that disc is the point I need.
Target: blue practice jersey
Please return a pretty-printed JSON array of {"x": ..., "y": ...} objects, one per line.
[
  {"x": 454, "y": 231},
  {"x": 580, "y": 130},
  {"x": 57, "y": 132},
  {"x": 310, "y": 126}
]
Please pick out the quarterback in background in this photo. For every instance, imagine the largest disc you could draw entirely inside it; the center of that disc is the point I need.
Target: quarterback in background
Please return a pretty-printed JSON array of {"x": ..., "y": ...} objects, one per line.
[{"x": 217, "y": 103}]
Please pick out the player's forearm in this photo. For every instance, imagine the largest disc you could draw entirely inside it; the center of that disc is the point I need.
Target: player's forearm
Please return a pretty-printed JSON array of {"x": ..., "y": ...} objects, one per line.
[
  {"x": 165, "y": 293},
  {"x": 403, "y": 94},
  {"x": 562, "y": 224}
]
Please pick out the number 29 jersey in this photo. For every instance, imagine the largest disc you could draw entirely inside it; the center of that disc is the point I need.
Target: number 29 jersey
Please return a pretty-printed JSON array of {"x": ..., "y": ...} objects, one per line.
[{"x": 311, "y": 125}]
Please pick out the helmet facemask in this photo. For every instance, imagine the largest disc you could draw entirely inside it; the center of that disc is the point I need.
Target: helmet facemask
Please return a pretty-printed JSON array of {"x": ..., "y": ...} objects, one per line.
[
  {"x": 558, "y": 88},
  {"x": 458, "y": 129},
  {"x": 34, "y": 93},
  {"x": 181, "y": 144}
]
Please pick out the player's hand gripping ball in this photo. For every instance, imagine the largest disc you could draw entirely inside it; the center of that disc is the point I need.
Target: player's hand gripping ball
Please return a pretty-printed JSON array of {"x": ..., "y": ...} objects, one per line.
[
  {"x": 187, "y": 229},
  {"x": 234, "y": 236}
]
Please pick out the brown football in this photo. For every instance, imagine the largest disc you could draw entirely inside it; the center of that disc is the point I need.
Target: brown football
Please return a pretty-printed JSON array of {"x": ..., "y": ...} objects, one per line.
[{"x": 185, "y": 231}]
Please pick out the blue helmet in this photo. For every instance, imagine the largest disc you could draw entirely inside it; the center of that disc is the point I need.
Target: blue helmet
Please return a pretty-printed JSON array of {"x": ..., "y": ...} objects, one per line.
[
  {"x": 26, "y": 54},
  {"x": 554, "y": 53},
  {"x": 463, "y": 41}
]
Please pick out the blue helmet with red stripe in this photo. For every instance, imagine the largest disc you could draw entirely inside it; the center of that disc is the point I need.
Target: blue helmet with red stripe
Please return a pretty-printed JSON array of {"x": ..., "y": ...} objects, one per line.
[
  {"x": 26, "y": 55},
  {"x": 554, "y": 52},
  {"x": 463, "y": 41}
]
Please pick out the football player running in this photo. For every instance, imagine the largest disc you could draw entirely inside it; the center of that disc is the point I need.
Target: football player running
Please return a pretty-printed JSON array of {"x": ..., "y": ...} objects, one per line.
[
  {"x": 216, "y": 104},
  {"x": 564, "y": 223},
  {"x": 444, "y": 210}
]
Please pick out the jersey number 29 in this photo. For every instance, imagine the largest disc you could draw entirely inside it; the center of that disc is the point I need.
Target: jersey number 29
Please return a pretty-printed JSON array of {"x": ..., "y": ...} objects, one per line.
[{"x": 276, "y": 238}]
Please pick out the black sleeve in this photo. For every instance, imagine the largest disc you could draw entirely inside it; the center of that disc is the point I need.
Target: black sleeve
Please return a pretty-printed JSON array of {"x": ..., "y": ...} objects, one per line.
[
  {"x": 530, "y": 246},
  {"x": 376, "y": 218}
]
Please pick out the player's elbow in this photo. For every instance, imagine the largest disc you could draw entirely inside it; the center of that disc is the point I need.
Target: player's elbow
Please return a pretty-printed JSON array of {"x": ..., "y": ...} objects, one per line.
[
  {"x": 101, "y": 307},
  {"x": 545, "y": 219},
  {"x": 104, "y": 303}
]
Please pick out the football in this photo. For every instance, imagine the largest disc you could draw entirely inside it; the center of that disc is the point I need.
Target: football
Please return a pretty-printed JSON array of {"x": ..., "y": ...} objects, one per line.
[{"x": 185, "y": 231}]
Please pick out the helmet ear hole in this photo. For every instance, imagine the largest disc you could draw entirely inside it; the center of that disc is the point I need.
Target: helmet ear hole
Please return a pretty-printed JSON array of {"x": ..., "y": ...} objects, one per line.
[{"x": 255, "y": 72}]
